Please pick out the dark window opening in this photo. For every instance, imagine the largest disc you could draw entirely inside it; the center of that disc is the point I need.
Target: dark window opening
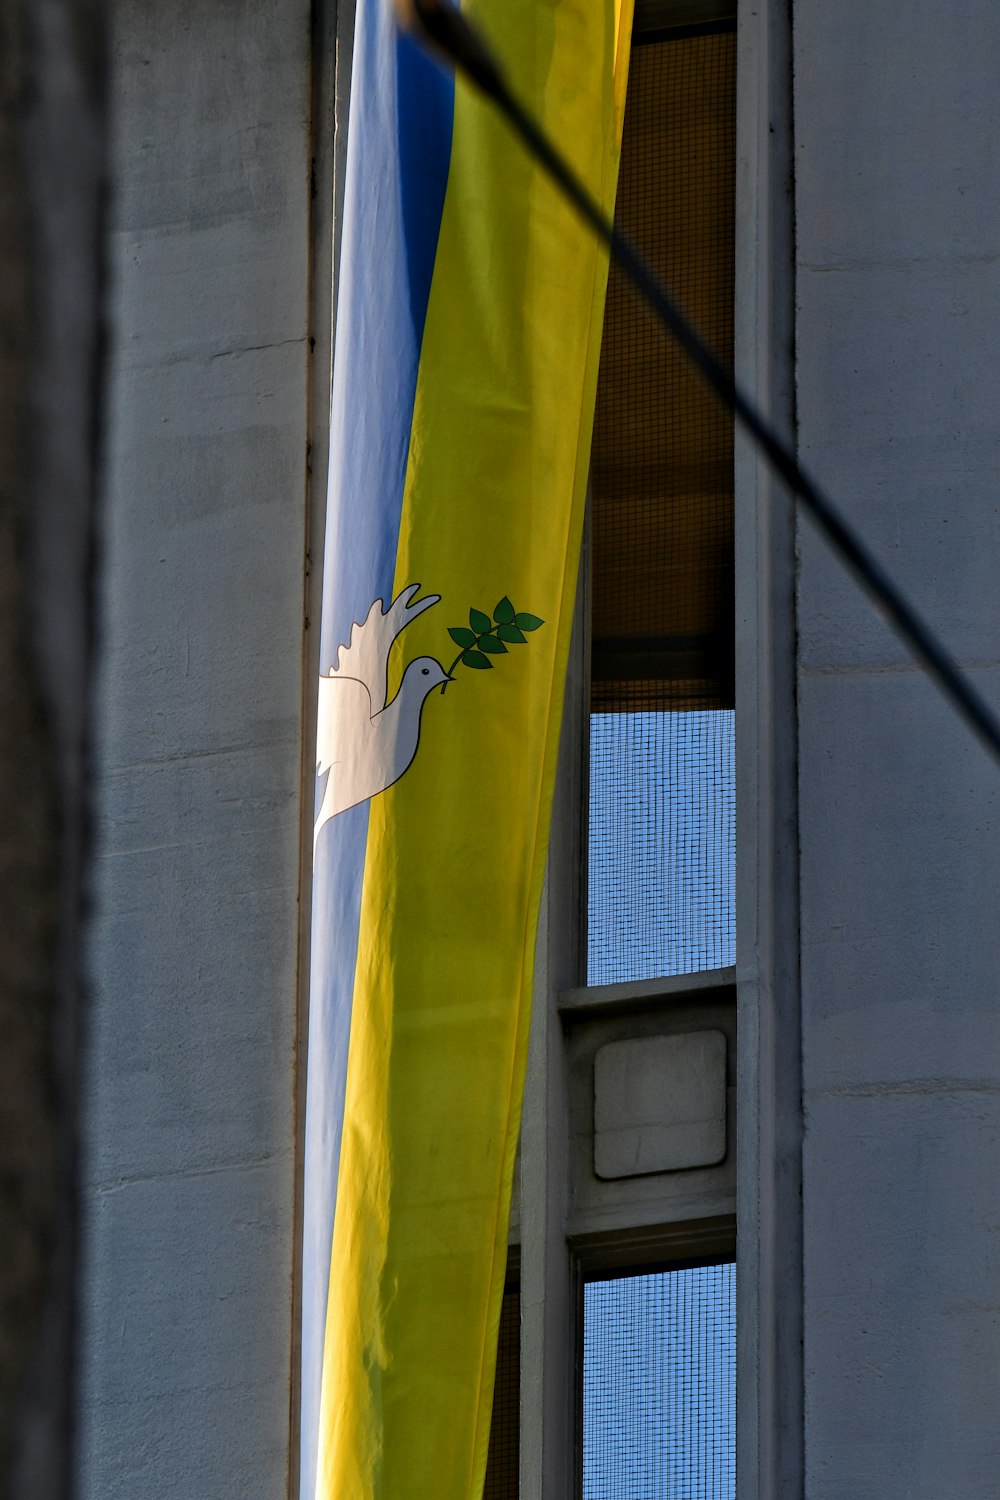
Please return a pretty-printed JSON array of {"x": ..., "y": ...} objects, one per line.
[{"x": 505, "y": 1428}]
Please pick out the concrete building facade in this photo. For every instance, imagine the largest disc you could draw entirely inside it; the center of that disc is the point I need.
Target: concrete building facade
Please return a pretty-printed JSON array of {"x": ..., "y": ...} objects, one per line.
[{"x": 868, "y": 958}]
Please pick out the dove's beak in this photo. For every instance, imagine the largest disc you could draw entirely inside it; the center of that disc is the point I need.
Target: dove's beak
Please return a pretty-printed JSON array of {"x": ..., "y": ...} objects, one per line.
[{"x": 446, "y": 682}]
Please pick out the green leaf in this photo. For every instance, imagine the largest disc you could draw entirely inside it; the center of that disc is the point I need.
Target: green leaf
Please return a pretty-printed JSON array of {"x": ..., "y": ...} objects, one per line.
[
  {"x": 528, "y": 622},
  {"x": 504, "y": 612},
  {"x": 461, "y": 636},
  {"x": 492, "y": 645},
  {"x": 477, "y": 660},
  {"x": 511, "y": 634},
  {"x": 480, "y": 622}
]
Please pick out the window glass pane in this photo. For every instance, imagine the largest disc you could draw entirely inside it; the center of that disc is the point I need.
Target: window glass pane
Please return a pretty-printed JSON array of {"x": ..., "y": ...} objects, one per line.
[
  {"x": 659, "y": 1386},
  {"x": 662, "y": 865}
]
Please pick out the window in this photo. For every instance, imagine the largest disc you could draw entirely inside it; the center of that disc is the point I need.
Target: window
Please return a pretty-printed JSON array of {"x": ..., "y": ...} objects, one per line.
[
  {"x": 661, "y": 852},
  {"x": 659, "y": 1384},
  {"x": 625, "y": 1220}
]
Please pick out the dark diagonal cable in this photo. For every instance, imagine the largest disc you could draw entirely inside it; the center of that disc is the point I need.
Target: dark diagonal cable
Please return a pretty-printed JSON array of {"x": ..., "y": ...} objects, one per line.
[{"x": 448, "y": 34}]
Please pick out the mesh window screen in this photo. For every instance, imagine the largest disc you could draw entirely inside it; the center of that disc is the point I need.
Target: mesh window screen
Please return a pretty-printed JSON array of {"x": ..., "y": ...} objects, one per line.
[
  {"x": 659, "y": 1386},
  {"x": 502, "y": 1462},
  {"x": 662, "y": 825}
]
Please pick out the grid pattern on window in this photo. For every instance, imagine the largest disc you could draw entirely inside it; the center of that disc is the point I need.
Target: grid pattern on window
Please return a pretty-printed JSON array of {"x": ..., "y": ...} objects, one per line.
[
  {"x": 659, "y": 1386},
  {"x": 662, "y": 843},
  {"x": 502, "y": 1463},
  {"x": 662, "y": 622}
]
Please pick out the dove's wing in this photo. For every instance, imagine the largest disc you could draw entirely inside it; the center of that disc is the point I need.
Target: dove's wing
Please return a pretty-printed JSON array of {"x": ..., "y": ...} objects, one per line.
[
  {"x": 366, "y": 656},
  {"x": 343, "y": 748},
  {"x": 343, "y": 720}
]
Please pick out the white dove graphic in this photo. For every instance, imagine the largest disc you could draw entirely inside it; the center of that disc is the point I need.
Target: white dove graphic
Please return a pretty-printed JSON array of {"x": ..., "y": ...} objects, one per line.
[{"x": 363, "y": 742}]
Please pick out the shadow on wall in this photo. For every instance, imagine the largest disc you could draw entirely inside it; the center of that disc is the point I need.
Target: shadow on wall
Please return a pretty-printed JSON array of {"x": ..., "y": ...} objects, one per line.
[{"x": 51, "y": 165}]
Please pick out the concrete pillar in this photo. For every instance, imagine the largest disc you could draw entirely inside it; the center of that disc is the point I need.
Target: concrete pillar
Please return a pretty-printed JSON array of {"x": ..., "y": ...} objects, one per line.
[
  {"x": 897, "y": 129},
  {"x": 189, "y": 1171}
]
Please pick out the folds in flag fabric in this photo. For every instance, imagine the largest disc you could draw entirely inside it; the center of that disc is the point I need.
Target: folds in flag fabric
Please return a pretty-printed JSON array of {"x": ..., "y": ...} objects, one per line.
[{"x": 468, "y": 325}]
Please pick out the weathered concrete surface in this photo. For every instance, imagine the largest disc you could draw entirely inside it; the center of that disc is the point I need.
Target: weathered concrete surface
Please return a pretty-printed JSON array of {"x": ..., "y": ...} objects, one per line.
[
  {"x": 190, "y": 1143},
  {"x": 660, "y": 1104},
  {"x": 897, "y": 123}
]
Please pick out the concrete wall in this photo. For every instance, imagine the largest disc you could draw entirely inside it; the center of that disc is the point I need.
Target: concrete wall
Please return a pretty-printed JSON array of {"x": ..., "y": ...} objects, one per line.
[
  {"x": 189, "y": 1176},
  {"x": 189, "y": 1166},
  {"x": 897, "y": 133}
]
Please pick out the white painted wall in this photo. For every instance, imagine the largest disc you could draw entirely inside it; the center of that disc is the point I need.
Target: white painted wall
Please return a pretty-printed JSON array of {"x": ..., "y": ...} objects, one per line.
[
  {"x": 189, "y": 1148},
  {"x": 897, "y": 133}
]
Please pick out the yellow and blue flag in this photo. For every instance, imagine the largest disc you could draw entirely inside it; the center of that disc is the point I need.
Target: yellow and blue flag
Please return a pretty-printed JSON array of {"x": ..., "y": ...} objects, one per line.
[{"x": 469, "y": 313}]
